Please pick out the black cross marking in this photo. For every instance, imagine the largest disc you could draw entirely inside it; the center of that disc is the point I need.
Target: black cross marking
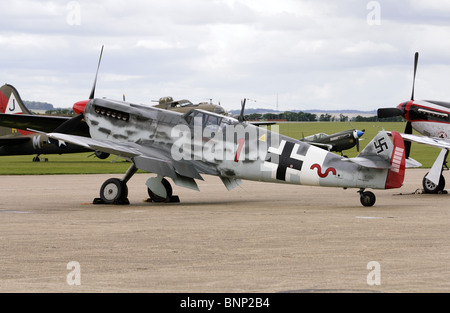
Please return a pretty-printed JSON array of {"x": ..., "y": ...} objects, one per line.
[{"x": 285, "y": 161}]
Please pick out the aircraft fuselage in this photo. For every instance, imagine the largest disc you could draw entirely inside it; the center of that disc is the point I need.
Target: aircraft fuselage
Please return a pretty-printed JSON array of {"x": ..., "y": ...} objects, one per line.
[{"x": 227, "y": 148}]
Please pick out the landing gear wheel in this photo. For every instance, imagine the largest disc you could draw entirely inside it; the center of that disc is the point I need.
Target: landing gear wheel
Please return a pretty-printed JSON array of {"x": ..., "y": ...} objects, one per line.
[
  {"x": 114, "y": 191},
  {"x": 36, "y": 159},
  {"x": 167, "y": 187},
  {"x": 430, "y": 187},
  {"x": 367, "y": 198}
]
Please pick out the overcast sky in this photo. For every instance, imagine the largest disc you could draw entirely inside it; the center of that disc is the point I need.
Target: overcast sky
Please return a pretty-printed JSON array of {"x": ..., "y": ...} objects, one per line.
[{"x": 321, "y": 54}]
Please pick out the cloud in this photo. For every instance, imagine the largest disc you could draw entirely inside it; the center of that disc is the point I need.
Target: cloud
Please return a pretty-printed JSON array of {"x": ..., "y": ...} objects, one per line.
[{"x": 321, "y": 53}]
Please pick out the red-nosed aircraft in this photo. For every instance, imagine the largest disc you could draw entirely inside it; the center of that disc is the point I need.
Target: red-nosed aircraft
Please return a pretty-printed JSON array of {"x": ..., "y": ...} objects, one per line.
[
  {"x": 432, "y": 120},
  {"x": 16, "y": 118}
]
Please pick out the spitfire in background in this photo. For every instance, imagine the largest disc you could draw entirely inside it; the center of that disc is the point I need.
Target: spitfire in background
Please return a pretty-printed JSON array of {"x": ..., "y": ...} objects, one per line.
[
  {"x": 337, "y": 142},
  {"x": 432, "y": 120}
]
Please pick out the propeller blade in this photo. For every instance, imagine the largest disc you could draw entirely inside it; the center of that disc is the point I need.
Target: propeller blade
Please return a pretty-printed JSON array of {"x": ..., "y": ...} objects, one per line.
[
  {"x": 408, "y": 130},
  {"x": 91, "y": 96},
  {"x": 357, "y": 144},
  {"x": 70, "y": 125},
  {"x": 241, "y": 117},
  {"x": 416, "y": 60},
  {"x": 389, "y": 112}
]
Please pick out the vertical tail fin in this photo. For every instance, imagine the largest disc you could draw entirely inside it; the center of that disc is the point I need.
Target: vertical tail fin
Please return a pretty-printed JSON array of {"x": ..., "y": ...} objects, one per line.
[
  {"x": 10, "y": 101},
  {"x": 396, "y": 173},
  {"x": 383, "y": 154}
]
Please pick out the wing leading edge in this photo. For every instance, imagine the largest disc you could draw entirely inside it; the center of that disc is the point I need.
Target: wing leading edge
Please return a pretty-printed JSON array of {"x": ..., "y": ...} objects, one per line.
[{"x": 150, "y": 159}]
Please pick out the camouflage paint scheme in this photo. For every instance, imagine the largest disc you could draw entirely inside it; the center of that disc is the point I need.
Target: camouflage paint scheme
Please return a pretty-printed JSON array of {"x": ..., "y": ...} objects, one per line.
[{"x": 146, "y": 136}]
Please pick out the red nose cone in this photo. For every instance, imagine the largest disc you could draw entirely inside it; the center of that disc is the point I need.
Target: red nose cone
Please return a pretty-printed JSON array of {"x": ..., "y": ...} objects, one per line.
[{"x": 80, "y": 106}]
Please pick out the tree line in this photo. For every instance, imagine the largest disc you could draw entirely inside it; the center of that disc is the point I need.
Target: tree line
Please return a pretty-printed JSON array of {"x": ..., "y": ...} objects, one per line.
[{"x": 310, "y": 117}]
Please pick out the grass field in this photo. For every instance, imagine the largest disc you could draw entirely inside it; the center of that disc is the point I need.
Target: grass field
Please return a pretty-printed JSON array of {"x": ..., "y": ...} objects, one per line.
[{"x": 83, "y": 163}]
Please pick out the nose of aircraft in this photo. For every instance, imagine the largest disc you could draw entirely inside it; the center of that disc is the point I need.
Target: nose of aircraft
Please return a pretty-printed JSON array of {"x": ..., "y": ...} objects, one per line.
[
  {"x": 80, "y": 106},
  {"x": 359, "y": 133}
]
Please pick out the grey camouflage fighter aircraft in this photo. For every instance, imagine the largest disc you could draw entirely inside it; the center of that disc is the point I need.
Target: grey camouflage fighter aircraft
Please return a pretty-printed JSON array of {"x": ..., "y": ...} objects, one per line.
[{"x": 183, "y": 147}]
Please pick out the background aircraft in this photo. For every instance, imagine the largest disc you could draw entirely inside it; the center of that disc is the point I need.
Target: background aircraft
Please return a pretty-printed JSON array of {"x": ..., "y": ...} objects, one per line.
[
  {"x": 167, "y": 103},
  {"x": 337, "y": 142},
  {"x": 431, "y": 119},
  {"x": 185, "y": 146},
  {"x": 16, "y": 140},
  {"x": 184, "y": 106}
]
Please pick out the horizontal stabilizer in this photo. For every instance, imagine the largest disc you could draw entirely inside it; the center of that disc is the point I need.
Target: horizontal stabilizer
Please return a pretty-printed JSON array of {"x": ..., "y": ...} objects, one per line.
[
  {"x": 411, "y": 163},
  {"x": 370, "y": 161}
]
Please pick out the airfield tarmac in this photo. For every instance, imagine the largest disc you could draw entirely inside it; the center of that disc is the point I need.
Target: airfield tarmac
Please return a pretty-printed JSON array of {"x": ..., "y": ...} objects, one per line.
[{"x": 257, "y": 238}]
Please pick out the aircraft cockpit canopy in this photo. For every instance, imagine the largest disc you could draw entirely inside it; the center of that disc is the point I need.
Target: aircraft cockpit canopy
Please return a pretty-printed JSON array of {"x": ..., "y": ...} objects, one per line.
[
  {"x": 207, "y": 119},
  {"x": 316, "y": 136}
]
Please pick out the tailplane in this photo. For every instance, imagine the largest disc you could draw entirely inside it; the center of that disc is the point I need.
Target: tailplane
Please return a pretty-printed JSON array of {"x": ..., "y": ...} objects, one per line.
[{"x": 10, "y": 101}]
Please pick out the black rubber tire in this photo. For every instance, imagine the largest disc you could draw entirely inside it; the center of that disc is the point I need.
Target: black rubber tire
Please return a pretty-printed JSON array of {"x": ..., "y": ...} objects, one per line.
[
  {"x": 367, "y": 198},
  {"x": 429, "y": 187},
  {"x": 113, "y": 191}
]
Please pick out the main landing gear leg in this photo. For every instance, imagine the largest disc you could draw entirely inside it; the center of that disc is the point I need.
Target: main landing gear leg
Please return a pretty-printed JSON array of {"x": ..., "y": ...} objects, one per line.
[
  {"x": 367, "y": 198},
  {"x": 114, "y": 190}
]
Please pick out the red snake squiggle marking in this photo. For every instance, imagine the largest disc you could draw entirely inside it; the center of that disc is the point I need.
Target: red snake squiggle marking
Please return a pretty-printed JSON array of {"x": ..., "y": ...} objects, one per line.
[{"x": 319, "y": 170}]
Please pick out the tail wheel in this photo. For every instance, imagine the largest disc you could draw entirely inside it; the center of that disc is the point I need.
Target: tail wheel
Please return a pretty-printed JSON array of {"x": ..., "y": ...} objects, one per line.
[
  {"x": 367, "y": 198},
  {"x": 157, "y": 198},
  {"x": 430, "y": 187},
  {"x": 113, "y": 191}
]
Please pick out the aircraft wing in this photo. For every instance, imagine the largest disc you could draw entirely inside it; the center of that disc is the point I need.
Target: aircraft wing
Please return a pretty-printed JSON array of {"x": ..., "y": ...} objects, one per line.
[
  {"x": 39, "y": 122},
  {"x": 146, "y": 157},
  {"x": 10, "y": 141},
  {"x": 262, "y": 123},
  {"x": 320, "y": 145},
  {"x": 434, "y": 142}
]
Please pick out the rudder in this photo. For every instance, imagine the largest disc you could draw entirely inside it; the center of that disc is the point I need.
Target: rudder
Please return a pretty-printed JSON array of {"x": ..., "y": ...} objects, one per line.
[{"x": 396, "y": 173}]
